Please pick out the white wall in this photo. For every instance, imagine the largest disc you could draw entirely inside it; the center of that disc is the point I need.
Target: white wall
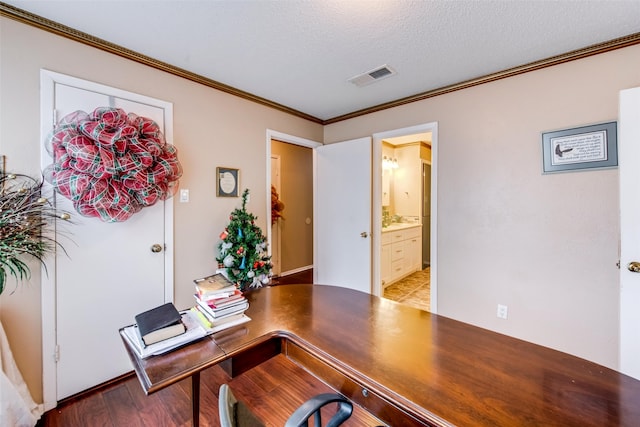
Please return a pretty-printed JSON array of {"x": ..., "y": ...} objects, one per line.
[{"x": 544, "y": 245}]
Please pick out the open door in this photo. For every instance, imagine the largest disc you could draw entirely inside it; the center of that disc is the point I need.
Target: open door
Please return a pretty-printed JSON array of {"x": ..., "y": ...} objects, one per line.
[
  {"x": 342, "y": 210},
  {"x": 629, "y": 167}
]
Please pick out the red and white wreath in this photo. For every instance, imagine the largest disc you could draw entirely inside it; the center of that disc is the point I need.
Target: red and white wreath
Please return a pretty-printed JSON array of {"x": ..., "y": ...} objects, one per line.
[{"x": 111, "y": 164}]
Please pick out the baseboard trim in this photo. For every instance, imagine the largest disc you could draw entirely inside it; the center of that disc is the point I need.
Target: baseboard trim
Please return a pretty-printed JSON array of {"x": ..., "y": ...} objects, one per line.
[
  {"x": 95, "y": 389},
  {"x": 295, "y": 271}
]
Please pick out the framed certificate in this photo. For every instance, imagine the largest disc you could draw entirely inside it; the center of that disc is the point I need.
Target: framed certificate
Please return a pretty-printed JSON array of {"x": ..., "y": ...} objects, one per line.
[{"x": 227, "y": 182}]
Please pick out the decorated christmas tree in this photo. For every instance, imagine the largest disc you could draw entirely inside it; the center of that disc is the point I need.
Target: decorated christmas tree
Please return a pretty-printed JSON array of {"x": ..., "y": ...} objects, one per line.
[{"x": 243, "y": 250}]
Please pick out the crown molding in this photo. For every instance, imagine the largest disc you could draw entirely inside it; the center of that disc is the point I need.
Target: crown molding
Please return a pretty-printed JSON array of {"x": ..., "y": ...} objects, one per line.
[
  {"x": 595, "y": 49},
  {"x": 79, "y": 36}
]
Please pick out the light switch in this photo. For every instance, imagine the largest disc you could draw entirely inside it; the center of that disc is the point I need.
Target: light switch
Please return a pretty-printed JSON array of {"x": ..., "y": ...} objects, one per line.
[{"x": 184, "y": 195}]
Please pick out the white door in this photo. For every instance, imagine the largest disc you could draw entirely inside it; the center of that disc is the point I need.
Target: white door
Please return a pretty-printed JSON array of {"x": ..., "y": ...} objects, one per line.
[
  {"x": 342, "y": 210},
  {"x": 629, "y": 168},
  {"x": 110, "y": 273}
]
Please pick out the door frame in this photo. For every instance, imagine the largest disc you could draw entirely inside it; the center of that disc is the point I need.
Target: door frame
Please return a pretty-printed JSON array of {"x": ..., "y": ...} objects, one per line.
[
  {"x": 277, "y": 265},
  {"x": 290, "y": 139},
  {"x": 48, "y": 80},
  {"x": 377, "y": 203}
]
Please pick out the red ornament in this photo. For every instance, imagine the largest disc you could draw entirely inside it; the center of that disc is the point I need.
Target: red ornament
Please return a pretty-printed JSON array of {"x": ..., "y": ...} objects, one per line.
[{"x": 224, "y": 235}]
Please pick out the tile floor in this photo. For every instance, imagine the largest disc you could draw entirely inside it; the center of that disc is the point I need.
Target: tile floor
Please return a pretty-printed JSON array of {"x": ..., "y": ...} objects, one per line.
[{"x": 413, "y": 290}]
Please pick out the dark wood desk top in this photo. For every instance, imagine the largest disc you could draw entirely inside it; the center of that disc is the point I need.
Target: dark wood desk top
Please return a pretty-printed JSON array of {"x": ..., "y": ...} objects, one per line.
[{"x": 440, "y": 370}]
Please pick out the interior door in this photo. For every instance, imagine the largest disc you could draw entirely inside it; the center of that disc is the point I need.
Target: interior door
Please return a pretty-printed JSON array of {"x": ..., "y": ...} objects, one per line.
[
  {"x": 109, "y": 273},
  {"x": 342, "y": 254},
  {"x": 629, "y": 168}
]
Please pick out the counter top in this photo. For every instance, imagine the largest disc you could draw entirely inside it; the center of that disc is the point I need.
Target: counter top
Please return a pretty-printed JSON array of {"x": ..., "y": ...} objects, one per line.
[{"x": 395, "y": 226}]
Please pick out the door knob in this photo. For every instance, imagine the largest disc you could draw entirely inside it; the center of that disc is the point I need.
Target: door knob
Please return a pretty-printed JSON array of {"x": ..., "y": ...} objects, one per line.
[
  {"x": 364, "y": 234},
  {"x": 155, "y": 248},
  {"x": 634, "y": 267}
]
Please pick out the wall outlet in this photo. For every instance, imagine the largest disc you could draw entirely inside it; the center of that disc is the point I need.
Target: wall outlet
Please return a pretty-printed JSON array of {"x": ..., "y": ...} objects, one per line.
[{"x": 502, "y": 311}]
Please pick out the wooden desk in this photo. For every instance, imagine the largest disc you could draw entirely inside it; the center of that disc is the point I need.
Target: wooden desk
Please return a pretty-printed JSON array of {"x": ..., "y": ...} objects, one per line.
[{"x": 406, "y": 366}]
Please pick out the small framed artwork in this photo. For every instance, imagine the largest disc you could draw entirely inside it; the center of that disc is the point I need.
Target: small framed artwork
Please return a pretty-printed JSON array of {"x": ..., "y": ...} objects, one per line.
[
  {"x": 227, "y": 182},
  {"x": 586, "y": 147}
]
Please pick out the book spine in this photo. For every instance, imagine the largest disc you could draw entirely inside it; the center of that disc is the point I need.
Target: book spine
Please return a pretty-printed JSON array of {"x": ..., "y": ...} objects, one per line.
[
  {"x": 217, "y": 313},
  {"x": 201, "y": 317},
  {"x": 230, "y": 310}
]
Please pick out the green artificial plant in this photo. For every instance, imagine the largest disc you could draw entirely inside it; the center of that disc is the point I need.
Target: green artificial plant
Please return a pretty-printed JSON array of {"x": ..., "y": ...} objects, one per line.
[{"x": 25, "y": 220}]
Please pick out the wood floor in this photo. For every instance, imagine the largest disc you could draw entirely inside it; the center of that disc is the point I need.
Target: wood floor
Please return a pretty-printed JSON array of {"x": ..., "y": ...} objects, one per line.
[
  {"x": 301, "y": 278},
  {"x": 272, "y": 390}
]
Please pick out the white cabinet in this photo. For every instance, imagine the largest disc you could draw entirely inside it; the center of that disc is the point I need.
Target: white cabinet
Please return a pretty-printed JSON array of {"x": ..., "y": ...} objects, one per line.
[
  {"x": 397, "y": 260},
  {"x": 413, "y": 253},
  {"x": 385, "y": 260},
  {"x": 401, "y": 253}
]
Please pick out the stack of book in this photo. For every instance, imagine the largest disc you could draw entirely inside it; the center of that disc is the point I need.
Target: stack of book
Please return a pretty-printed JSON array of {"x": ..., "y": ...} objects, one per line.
[
  {"x": 162, "y": 329},
  {"x": 219, "y": 303}
]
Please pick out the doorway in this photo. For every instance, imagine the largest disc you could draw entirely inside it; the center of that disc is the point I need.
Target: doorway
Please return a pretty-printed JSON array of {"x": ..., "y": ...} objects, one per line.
[
  {"x": 404, "y": 205},
  {"x": 290, "y": 231}
]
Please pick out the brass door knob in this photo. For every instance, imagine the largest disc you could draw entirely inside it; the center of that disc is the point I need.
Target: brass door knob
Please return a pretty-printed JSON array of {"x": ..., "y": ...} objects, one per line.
[
  {"x": 634, "y": 267},
  {"x": 156, "y": 248}
]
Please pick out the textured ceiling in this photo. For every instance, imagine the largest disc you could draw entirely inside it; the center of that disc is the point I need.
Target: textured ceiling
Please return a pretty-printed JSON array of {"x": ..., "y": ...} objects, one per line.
[{"x": 301, "y": 53}]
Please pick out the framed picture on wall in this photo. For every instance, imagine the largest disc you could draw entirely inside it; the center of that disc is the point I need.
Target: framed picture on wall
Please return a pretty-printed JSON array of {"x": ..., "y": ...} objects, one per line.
[
  {"x": 228, "y": 181},
  {"x": 586, "y": 147}
]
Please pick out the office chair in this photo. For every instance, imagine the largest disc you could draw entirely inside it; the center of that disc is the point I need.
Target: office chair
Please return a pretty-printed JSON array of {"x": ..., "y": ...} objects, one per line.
[{"x": 235, "y": 414}]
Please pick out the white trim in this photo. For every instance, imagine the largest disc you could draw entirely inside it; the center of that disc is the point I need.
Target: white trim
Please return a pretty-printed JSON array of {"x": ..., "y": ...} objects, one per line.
[
  {"x": 291, "y": 139},
  {"x": 277, "y": 264},
  {"x": 272, "y": 134},
  {"x": 377, "y": 203},
  {"x": 47, "y": 282},
  {"x": 295, "y": 270},
  {"x": 48, "y": 79}
]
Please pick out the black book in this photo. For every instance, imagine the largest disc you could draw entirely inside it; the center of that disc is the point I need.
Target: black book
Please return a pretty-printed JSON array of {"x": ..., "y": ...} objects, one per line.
[{"x": 159, "y": 323}]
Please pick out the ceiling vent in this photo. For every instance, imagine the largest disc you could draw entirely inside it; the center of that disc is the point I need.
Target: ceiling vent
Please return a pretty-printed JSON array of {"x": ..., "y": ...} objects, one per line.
[{"x": 372, "y": 76}]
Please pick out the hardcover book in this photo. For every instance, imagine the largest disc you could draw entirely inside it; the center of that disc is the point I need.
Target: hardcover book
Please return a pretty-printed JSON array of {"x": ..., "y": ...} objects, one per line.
[
  {"x": 159, "y": 323},
  {"x": 240, "y": 307},
  {"x": 213, "y": 285},
  {"x": 194, "y": 331},
  {"x": 217, "y": 325}
]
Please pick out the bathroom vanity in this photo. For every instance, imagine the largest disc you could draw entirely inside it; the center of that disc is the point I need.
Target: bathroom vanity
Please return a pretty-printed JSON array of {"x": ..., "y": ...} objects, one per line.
[{"x": 401, "y": 252}]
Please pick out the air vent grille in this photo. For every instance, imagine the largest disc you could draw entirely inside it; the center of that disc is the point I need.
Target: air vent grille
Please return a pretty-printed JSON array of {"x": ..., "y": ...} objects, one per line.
[
  {"x": 372, "y": 76},
  {"x": 382, "y": 72}
]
